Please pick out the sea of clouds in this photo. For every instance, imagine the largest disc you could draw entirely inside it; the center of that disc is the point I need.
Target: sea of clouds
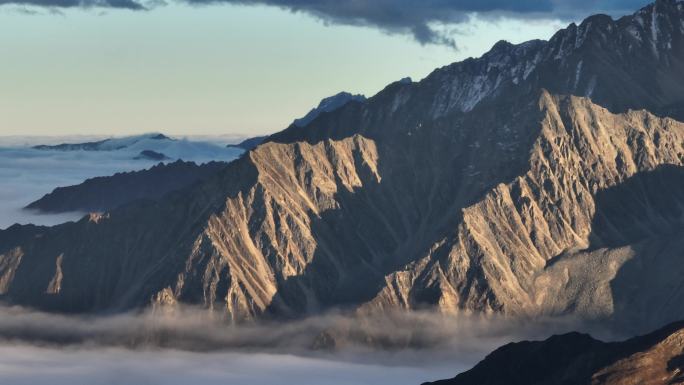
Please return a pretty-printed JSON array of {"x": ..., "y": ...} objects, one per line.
[
  {"x": 195, "y": 346},
  {"x": 30, "y": 365},
  {"x": 26, "y": 174}
]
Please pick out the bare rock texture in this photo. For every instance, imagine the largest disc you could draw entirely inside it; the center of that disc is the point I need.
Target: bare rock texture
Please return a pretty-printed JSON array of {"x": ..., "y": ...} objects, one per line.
[
  {"x": 596, "y": 181},
  {"x": 540, "y": 179}
]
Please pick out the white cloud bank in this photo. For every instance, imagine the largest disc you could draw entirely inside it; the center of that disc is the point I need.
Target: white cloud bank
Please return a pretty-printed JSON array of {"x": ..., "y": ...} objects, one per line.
[
  {"x": 27, "y": 174},
  {"x": 190, "y": 346},
  {"x": 30, "y": 365}
]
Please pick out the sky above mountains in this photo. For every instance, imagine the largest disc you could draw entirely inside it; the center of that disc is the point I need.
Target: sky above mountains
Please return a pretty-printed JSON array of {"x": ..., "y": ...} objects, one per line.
[{"x": 236, "y": 66}]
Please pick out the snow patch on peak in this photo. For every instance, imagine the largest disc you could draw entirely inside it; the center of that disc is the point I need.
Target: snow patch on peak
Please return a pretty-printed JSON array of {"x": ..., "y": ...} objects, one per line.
[
  {"x": 654, "y": 26},
  {"x": 582, "y": 34},
  {"x": 591, "y": 87},
  {"x": 634, "y": 32},
  {"x": 464, "y": 85},
  {"x": 400, "y": 99},
  {"x": 578, "y": 73}
]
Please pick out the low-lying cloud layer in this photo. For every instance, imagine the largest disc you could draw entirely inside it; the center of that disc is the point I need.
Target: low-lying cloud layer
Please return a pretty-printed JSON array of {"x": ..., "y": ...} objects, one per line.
[
  {"x": 418, "y": 18},
  {"x": 28, "y": 174},
  {"x": 197, "y": 329},
  {"x": 31, "y": 365},
  {"x": 190, "y": 345}
]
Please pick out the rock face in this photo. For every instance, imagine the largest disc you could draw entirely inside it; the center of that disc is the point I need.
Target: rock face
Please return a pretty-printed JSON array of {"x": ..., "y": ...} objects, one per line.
[
  {"x": 106, "y": 193},
  {"x": 540, "y": 179},
  {"x": 602, "y": 192},
  {"x": 578, "y": 359}
]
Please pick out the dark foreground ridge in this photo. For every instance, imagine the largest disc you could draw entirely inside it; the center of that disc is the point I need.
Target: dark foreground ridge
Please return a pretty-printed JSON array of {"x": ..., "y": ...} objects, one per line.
[{"x": 578, "y": 359}]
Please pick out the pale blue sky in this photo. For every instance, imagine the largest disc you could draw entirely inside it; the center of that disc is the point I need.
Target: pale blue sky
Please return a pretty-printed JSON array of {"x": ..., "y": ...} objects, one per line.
[{"x": 221, "y": 69}]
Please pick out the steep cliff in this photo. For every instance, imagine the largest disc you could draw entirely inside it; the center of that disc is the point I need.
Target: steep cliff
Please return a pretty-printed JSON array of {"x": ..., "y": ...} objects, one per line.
[
  {"x": 529, "y": 181},
  {"x": 597, "y": 182}
]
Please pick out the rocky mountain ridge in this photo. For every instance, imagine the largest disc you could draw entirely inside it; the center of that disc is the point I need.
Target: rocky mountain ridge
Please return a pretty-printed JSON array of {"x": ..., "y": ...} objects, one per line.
[
  {"x": 103, "y": 194},
  {"x": 513, "y": 183},
  {"x": 328, "y": 104}
]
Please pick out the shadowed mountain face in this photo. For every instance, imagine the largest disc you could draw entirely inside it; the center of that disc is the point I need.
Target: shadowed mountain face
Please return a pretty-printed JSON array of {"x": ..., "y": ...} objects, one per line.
[
  {"x": 647, "y": 205},
  {"x": 578, "y": 359},
  {"x": 490, "y": 186},
  {"x": 106, "y": 193},
  {"x": 249, "y": 143},
  {"x": 328, "y": 104}
]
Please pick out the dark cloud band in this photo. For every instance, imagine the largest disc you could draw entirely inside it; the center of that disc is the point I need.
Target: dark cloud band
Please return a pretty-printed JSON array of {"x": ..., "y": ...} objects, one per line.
[
  {"x": 415, "y": 17},
  {"x": 418, "y": 17}
]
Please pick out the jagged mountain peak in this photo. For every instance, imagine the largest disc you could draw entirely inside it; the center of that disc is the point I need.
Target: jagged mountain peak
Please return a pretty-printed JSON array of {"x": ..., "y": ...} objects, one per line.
[
  {"x": 599, "y": 59},
  {"x": 491, "y": 185},
  {"x": 590, "y": 59},
  {"x": 445, "y": 217},
  {"x": 328, "y": 104}
]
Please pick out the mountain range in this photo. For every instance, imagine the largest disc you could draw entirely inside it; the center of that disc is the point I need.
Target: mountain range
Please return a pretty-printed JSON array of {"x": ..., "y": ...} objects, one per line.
[
  {"x": 110, "y": 144},
  {"x": 154, "y": 146},
  {"x": 328, "y": 104},
  {"x": 105, "y": 193},
  {"x": 540, "y": 179}
]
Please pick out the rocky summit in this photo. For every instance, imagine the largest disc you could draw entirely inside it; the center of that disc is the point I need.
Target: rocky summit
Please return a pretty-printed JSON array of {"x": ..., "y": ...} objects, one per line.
[{"x": 544, "y": 178}]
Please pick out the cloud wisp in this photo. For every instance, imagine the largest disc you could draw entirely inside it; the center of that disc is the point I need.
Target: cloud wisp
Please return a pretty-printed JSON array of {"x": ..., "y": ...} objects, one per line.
[{"x": 197, "y": 329}]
